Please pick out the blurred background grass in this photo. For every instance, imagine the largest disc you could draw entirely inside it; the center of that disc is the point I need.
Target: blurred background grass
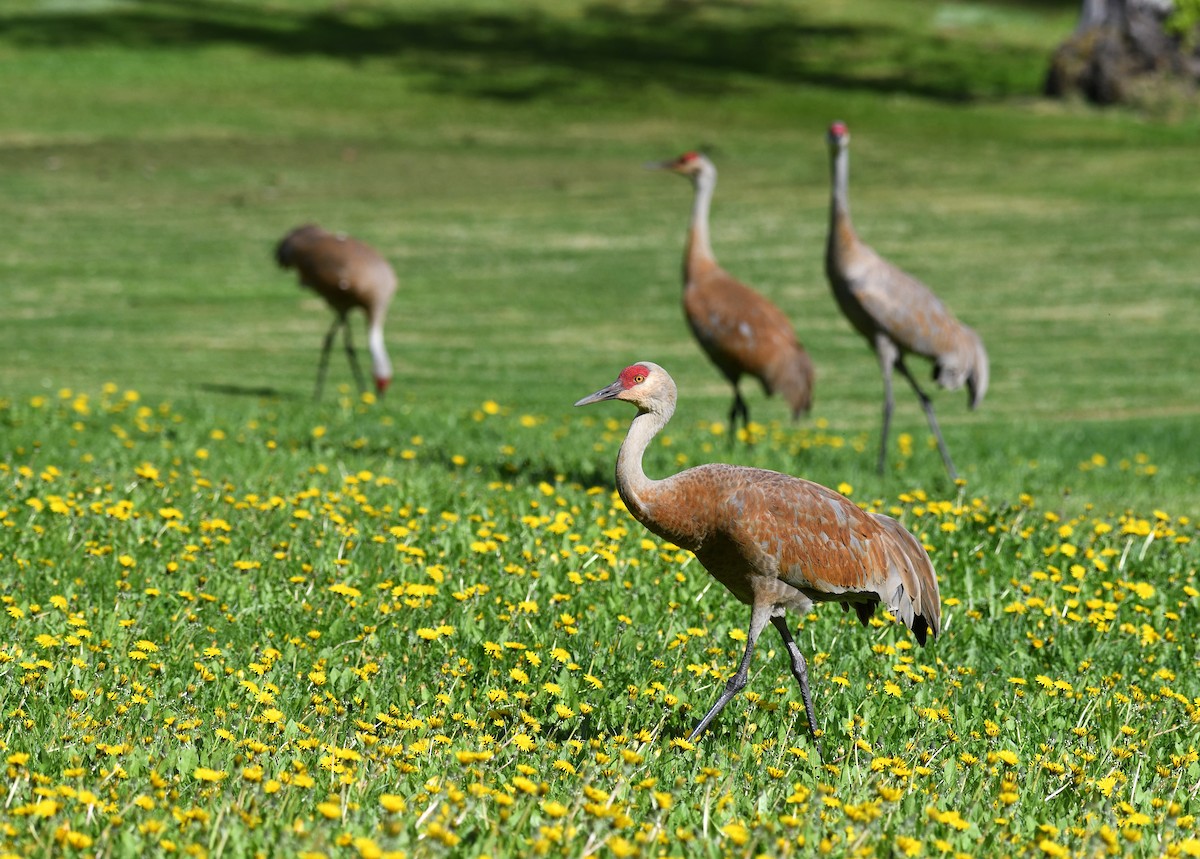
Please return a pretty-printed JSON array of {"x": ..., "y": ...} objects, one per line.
[{"x": 153, "y": 152}]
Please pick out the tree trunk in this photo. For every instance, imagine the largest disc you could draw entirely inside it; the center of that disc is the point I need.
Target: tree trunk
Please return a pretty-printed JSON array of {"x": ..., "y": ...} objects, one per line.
[{"x": 1119, "y": 45}]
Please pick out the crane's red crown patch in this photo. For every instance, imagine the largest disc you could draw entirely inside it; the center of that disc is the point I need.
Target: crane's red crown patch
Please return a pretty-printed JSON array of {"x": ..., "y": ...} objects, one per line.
[{"x": 634, "y": 375}]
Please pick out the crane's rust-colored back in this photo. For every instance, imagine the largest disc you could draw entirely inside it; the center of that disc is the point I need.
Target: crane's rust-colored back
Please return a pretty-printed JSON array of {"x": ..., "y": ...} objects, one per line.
[
  {"x": 346, "y": 272},
  {"x": 743, "y": 332},
  {"x": 747, "y": 525}
]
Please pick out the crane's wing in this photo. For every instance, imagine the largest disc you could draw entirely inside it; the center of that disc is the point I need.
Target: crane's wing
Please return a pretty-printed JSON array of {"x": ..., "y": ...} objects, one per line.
[
  {"x": 737, "y": 326},
  {"x": 813, "y": 539},
  {"x": 904, "y": 308}
]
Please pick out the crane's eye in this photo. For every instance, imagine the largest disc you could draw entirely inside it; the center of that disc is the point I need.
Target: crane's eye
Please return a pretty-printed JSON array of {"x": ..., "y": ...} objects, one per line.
[{"x": 638, "y": 379}]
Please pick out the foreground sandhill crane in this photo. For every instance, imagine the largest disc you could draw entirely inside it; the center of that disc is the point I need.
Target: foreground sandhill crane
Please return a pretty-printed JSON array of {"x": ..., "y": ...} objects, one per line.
[
  {"x": 896, "y": 312},
  {"x": 347, "y": 274},
  {"x": 742, "y": 332},
  {"x": 776, "y": 542}
]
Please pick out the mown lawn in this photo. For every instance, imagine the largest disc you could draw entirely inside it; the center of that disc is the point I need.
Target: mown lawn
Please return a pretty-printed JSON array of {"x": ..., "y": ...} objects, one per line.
[{"x": 238, "y": 621}]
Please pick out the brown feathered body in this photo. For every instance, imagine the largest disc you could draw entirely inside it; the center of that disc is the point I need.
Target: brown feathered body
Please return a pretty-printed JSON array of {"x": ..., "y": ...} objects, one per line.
[
  {"x": 770, "y": 537},
  {"x": 777, "y": 543},
  {"x": 742, "y": 332},
  {"x": 883, "y": 301},
  {"x": 348, "y": 274}
]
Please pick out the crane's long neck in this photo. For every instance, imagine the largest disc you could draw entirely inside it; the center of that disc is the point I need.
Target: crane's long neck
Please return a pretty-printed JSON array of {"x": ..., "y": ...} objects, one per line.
[
  {"x": 698, "y": 252},
  {"x": 634, "y": 487},
  {"x": 381, "y": 365},
  {"x": 841, "y": 230}
]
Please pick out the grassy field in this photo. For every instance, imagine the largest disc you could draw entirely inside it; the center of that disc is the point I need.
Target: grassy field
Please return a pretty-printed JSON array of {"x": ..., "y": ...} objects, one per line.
[{"x": 239, "y": 621}]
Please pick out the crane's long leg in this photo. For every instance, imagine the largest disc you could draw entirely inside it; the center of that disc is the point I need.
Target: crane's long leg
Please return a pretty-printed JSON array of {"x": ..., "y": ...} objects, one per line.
[
  {"x": 800, "y": 672},
  {"x": 739, "y": 407},
  {"x": 759, "y": 616},
  {"x": 887, "y": 358},
  {"x": 927, "y": 405},
  {"x": 324, "y": 363},
  {"x": 358, "y": 376}
]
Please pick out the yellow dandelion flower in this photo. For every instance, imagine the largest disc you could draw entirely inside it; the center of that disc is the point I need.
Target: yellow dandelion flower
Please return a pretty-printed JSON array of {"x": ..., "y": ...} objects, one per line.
[
  {"x": 524, "y": 742},
  {"x": 78, "y": 840},
  {"x": 366, "y": 847},
  {"x": 392, "y": 802},
  {"x": 473, "y": 757},
  {"x": 620, "y": 847},
  {"x": 1051, "y": 848},
  {"x": 44, "y": 808},
  {"x": 554, "y": 808},
  {"x": 1009, "y": 757},
  {"x": 737, "y": 833},
  {"x": 525, "y": 785},
  {"x": 1144, "y": 590},
  {"x": 210, "y": 775},
  {"x": 330, "y": 810}
]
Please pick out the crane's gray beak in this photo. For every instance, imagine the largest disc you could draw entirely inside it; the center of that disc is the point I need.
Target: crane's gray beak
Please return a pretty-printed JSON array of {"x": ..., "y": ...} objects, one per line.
[
  {"x": 609, "y": 393},
  {"x": 659, "y": 165}
]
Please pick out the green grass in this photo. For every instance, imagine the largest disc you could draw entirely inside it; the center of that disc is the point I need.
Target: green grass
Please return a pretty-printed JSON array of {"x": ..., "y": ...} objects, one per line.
[{"x": 154, "y": 152}]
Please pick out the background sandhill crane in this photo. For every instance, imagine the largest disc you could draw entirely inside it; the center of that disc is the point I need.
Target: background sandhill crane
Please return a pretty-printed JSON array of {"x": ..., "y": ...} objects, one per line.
[
  {"x": 347, "y": 274},
  {"x": 896, "y": 312},
  {"x": 776, "y": 542},
  {"x": 742, "y": 332}
]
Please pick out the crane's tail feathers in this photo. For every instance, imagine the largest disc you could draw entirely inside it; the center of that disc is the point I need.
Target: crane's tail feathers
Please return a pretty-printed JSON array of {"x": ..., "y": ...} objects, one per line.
[
  {"x": 792, "y": 378},
  {"x": 977, "y": 381},
  {"x": 911, "y": 592}
]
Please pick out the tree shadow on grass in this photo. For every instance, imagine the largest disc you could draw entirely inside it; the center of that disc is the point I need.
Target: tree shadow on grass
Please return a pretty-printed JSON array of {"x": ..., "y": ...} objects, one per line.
[{"x": 525, "y": 54}]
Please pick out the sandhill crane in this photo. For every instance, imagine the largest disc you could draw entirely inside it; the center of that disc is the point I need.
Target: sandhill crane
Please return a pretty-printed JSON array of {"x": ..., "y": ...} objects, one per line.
[
  {"x": 741, "y": 331},
  {"x": 347, "y": 274},
  {"x": 776, "y": 542},
  {"x": 896, "y": 312}
]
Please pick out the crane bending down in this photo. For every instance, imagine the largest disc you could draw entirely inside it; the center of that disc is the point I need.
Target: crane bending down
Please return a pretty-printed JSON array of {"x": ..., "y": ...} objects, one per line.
[
  {"x": 896, "y": 312},
  {"x": 347, "y": 274},
  {"x": 776, "y": 542},
  {"x": 741, "y": 331}
]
